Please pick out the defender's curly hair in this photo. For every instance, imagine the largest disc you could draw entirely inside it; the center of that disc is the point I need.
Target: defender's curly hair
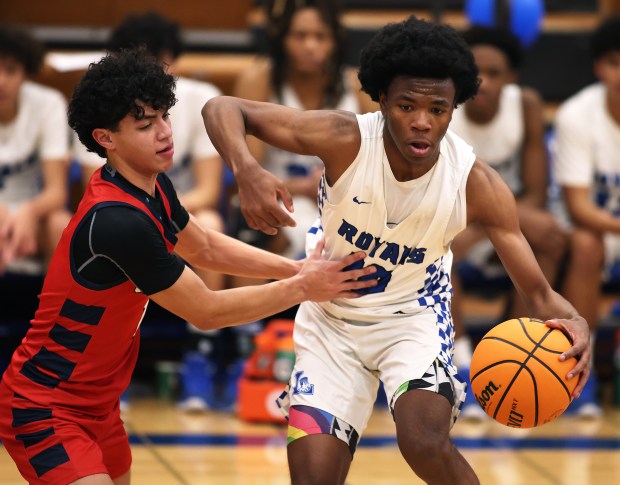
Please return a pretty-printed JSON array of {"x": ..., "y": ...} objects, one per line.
[
  {"x": 18, "y": 44},
  {"x": 419, "y": 49},
  {"x": 606, "y": 37},
  {"x": 503, "y": 40},
  {"x": 152, "y": 30},
  {"x": 110, "y": 90}
]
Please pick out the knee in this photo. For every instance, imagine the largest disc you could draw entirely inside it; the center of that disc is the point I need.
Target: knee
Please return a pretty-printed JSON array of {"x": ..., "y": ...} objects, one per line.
[
  {"x": 426, "y": 451},
  {"x": 587, "y": 250}
]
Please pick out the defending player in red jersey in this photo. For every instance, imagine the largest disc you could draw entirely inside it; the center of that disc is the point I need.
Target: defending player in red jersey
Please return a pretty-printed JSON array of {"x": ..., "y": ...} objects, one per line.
[{"x": 59, "y": 412}]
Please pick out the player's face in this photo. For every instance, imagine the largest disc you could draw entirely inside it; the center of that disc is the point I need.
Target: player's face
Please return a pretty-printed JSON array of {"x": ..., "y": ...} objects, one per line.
[
  {"x": 417, "y": 114},
  {"x": 495, "y": 73},
  {"x": 607, "y": 69},
  {"x": 12, "y": 75},
  {"x": 309, "y": 43},
  {"x": 145, "y": 144}
]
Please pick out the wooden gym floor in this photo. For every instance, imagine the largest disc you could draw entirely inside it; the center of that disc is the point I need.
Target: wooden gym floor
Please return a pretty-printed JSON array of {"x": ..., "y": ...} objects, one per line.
[
  {"x": 171, "y": 447},
  {"x": 174, "y": 448}
]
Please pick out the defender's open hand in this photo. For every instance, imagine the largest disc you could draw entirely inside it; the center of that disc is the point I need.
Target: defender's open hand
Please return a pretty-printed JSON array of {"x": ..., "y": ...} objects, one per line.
[{"x": 326, "y": 280}]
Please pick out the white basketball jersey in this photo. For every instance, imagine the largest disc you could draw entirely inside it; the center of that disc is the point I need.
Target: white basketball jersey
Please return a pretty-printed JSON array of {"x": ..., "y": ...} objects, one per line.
[
  {"x": 500, "y": 141},
  {"x": 412, "y": 256}
]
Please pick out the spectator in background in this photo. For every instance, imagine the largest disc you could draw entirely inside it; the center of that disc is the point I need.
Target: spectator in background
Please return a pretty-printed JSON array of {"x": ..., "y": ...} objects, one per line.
[
  {"x": 505, "y": 125},
  {"x": 305, "y": 70},
  {"x": 587, "y": 166},
  {"x": 34, "y": 155},
  {"x": 197, "y": 167}
]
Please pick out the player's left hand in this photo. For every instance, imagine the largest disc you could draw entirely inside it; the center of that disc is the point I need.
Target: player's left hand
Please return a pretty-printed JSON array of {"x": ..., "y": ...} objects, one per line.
[{"x": 578, "y": 332}]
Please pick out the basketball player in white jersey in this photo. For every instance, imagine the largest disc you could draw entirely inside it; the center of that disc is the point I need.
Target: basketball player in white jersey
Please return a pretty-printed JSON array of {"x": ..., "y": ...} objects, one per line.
[
  {"x": 399, "y": 185},
  {"x": 587, "y": 165},
  {"x": 504, "y": 124}
]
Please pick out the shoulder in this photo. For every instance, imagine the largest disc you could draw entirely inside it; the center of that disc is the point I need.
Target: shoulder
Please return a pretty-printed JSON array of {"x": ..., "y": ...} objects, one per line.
[
  {"x": 531, "y": 98},
  {"x": 580, "y": 104},
  {"x": 121, "y": 221},
  {"x": 487, "y": 192},
  {"x": 42, "y": 95},
  {"x": 369, "y": 124}
]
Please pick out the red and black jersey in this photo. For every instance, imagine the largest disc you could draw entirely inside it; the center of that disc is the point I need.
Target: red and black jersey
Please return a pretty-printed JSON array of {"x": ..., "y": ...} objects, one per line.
[{"x": 82, "y": 346}]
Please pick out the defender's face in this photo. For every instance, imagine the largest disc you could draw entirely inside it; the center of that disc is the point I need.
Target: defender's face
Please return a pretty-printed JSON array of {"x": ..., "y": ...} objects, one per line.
[
  {"x": 144, "y": 144},
  {"x": 495, "y": 73},
  {"x": 309, "y": 43},
  {"x": 417, "y": 113},
  {"x": 12, "y": 76}
]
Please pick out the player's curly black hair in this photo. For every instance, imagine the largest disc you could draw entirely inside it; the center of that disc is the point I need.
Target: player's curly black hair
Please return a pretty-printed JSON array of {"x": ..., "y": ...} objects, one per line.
[
  {"x": 110, "y": 90},
  {"x": 152, "y": 30},
  {"x": 502, "y": 39},
  {"x": 18, "y": 44},
  {"x": 419, "y": 49},
  {"x": 606, "y": 37}
]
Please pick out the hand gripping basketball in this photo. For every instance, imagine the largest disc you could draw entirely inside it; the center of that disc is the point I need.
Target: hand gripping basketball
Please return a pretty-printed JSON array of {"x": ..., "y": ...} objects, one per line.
[{"x": 516, "y": 374}]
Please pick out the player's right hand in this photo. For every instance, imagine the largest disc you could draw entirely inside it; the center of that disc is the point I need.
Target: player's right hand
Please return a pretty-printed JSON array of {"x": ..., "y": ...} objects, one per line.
[
  {"x": 325, "y": 280},
  {"x": 260, "y": 193}
]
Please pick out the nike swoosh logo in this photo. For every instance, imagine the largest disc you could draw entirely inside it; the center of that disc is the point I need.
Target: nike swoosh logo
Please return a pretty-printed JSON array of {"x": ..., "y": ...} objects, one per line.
[{"x": 357, "y": 201}]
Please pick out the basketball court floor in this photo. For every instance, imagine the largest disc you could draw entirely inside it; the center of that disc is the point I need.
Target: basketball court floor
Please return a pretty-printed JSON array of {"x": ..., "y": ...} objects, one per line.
[{"x": 171, "y": 447}]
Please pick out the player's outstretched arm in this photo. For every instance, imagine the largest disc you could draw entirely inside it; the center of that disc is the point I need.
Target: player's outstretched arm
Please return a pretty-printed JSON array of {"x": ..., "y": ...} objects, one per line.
[
  {"x": 212, "y": 250},
  {"x": 490, "y": 203},
  {"x": 318, "y": 280},
  {"x": 333, "y": 136}
]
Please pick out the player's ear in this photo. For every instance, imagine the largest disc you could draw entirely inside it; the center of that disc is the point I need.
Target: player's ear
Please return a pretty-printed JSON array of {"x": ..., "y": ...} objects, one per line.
[{"x": 102, "y": 136}]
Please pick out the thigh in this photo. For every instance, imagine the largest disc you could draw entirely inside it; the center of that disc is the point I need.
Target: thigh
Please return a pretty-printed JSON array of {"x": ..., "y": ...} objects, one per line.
[
  {"x": 51, "y": 446},
  {"x": 46, "y": 448},
  {"x": 437, "y": 380},
  {"x": 114, "y": 444},
  {"x": 328, "y": 373},
  {"x": 318, "y": 459},
  {"x": 421, "y": 416}
]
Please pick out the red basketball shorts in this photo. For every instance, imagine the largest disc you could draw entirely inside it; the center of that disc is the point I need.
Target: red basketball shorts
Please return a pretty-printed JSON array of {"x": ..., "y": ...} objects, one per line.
[{"x": 52, "y": 445}]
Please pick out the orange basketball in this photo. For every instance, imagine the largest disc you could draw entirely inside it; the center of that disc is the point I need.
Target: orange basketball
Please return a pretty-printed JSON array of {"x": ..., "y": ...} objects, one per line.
[{"x": 516, "y": 375}]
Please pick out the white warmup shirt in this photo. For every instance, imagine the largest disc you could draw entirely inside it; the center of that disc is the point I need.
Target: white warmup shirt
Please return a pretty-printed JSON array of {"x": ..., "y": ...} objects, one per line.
[
  {"x": 500, "y": 141},
  {"x": 39, "y": 132}
]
